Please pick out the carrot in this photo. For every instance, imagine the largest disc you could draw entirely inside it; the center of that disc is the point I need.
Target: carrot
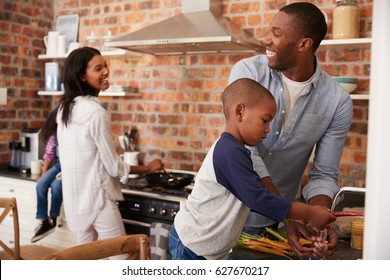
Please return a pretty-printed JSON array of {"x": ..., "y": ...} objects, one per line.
[
  {"x": 347, "y": 213},
  {"x": 279, "y": 244},
  {"x": 270, "y": 251}
]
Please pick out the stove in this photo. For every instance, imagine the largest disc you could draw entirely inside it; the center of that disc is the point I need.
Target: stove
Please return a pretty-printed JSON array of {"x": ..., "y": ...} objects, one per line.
[{"x": 144, "y": 204}]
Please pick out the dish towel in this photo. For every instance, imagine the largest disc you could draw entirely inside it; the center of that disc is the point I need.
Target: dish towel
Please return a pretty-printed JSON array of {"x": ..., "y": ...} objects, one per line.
[{"x": 159, "y": 239}]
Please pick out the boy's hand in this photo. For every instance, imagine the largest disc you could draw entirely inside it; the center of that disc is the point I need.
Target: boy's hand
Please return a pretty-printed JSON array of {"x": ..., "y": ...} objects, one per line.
[{"x": 319, "y": 216}]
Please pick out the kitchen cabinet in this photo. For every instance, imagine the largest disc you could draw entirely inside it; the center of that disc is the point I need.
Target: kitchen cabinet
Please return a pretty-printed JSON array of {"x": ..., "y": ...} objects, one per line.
[
  {"x": 25, "y": 194},
  {"x": 336, "y": 44},
  {"x": 113, "y": 53}
]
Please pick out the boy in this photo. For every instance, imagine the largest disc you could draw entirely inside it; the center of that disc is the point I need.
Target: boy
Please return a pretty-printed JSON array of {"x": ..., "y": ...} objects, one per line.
[{"x": 226, "y": 187}]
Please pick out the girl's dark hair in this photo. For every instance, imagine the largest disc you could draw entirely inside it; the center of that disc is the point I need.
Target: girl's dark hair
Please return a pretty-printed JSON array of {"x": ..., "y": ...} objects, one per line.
[
  {"x": 50, "y": 126},
  {"x": 309, "y": 21},
  {"x": 76, "y": 66}
]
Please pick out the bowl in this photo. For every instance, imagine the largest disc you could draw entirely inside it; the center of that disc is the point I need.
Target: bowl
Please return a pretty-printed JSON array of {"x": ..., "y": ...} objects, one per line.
[{"x": 349, "y": 84}]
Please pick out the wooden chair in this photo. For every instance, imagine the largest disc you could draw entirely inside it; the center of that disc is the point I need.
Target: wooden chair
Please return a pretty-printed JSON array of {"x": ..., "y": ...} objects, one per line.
[
  {"x": 137, "y": 246},
  {"x": 25, "y": 252}
]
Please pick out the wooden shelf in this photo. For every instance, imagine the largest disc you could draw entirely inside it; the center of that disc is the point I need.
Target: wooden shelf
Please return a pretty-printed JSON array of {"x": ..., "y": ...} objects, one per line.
[
  {"x": 333, "y": 44},
  {"x": 103, "y": 93},
  {"x": 360, "y": 96}
]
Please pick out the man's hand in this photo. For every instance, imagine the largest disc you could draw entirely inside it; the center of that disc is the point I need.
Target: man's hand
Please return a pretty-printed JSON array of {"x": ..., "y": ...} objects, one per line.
[
  {"x": 324, "y": 246},
  {"x": 295, "y": 230},
  {"x": 319, "y": 248}
]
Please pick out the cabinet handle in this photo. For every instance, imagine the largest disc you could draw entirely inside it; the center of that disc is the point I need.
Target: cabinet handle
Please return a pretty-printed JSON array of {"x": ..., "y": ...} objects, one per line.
[{"x": 11, "y": 190}]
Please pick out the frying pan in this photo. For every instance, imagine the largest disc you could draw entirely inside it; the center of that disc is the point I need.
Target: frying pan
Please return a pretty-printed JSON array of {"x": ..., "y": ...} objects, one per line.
[{"x": 161, "y": 179}]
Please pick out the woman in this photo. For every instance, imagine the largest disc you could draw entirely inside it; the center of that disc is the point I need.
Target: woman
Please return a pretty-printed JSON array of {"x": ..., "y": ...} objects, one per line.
[{"x": 91, "y": 168}]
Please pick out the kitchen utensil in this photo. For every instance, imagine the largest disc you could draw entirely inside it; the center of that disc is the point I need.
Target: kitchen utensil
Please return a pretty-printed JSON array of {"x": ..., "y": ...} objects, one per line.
[
  {"x": 61, "y": 44},
  {"x": 127, "y": 142},
  {"x": 172, "y": 181},
  {"x": 131, "y": 158},
  {"x": 348, "y": 197},
  {"x": 122, "y": 142},
  {"x": 349, "y": 84},
  {"x": 133, "y": 132},
  {"x": 161, "y": 179},
  {"x": 36, "y": 166},
  {"x": 74, "y": 46},
  {"x": 51, "y": 42},
  {"x": 132, "y": 136}
]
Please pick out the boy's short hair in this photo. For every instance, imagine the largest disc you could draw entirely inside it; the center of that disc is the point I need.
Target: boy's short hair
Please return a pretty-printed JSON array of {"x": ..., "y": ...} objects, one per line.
[{"x": 245, "y": 91}]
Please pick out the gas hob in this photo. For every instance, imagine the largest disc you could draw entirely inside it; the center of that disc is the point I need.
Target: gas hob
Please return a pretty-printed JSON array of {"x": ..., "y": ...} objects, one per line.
[{"x": 140, "y": 187}]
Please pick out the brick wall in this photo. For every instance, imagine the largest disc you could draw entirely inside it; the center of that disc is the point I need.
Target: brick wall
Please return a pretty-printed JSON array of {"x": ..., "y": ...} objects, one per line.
[
  {"x": 174, "y": 101},
  {"x": 22, "y": 27}
]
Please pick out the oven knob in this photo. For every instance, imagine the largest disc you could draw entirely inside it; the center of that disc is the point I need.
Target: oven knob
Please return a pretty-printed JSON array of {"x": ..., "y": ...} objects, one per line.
[
  {"x": 152, "y": 210},
  {"x": 173, "y": 213},
  {"x": 163, "y": 212}
]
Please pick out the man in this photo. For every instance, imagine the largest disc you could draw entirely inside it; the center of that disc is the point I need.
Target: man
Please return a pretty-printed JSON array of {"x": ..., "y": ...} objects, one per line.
[{"x": 314, "y": 113}]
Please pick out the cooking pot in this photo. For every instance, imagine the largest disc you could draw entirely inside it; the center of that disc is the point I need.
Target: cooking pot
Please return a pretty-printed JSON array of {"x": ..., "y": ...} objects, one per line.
[{"x": 161, "y": 179}]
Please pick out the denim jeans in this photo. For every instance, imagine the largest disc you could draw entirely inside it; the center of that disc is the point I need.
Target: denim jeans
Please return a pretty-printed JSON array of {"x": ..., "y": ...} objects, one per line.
[
  {"x": 49, "y": 180},
  {"x": 178, "y": 250}
]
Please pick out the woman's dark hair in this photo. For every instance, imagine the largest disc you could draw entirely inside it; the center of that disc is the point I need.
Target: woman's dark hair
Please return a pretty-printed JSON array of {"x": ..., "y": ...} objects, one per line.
[
  {"x": 309, "y": 21},
  {"x": 76, "y": 66},
  {"x": 50, "y": 126}
]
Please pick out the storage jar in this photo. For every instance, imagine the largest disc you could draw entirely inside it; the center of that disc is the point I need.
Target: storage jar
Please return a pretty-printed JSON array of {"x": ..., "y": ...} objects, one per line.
[
  {"x": 346, "y": 20},
  {"x": 357, "y": 231}
]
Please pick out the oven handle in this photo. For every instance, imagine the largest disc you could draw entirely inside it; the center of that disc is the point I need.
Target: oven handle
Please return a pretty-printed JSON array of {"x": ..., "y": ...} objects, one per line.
[{"x": 135, "y": 223}]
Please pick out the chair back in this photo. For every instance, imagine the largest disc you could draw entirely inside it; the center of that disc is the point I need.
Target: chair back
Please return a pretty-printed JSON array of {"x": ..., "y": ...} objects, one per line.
[
  {"x": 8, "y": 205},
  {"x": 137, "y": 246}
]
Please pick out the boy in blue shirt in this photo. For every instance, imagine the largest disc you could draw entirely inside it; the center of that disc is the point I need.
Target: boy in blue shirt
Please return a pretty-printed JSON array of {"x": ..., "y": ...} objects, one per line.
[{"x": 226, "y": 187}]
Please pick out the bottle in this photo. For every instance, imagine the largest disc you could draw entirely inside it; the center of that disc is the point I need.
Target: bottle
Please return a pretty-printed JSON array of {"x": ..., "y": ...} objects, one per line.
[
  {"x": 93, "y": 41},
  {"x": 346, "y": 20},
  {"x": 107, "y": 38}
]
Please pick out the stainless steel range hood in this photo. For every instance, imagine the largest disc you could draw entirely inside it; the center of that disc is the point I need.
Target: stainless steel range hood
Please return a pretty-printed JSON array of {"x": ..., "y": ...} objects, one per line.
[{"x": 200, "y": 28}]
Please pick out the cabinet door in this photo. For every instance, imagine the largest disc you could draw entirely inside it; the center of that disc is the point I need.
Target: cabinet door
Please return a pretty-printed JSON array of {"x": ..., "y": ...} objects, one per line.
[{"x": 25, "y": 193}]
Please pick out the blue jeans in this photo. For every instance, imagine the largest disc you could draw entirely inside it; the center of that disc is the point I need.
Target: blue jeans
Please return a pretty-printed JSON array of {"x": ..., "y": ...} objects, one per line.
[
  {"x": 178, "y": 251},
  {"x": 49, "y": 180}
]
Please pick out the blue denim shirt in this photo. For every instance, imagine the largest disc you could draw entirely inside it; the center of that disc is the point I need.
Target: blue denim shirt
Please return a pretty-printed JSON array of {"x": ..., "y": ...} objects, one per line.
[{"x": 319, "y": 121}]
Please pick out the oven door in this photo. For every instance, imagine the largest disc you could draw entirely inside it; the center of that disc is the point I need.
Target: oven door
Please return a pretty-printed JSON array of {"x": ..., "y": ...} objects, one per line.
[{"x": 136, "y": 227}]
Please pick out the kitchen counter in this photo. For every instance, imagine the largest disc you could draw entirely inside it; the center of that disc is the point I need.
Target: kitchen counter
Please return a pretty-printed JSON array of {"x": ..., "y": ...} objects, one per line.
[
  {"x": 343, "y": 251},
  {"x": 5, "y": 172}
]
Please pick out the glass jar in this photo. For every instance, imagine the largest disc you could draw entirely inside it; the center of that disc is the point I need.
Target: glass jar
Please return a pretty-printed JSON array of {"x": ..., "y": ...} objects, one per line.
[
  {"x": 357, "y": 233},
  {"x": 93, "y": 41},
  {"x": 346, "y": 20}
]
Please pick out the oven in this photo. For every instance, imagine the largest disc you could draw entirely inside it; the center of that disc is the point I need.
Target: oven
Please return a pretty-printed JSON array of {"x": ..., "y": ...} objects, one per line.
[{"x": 144, "y": 205}]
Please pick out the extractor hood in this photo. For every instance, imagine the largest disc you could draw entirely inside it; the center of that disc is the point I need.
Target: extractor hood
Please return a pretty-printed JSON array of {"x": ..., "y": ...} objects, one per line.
[{"x": 200, "y": 28}]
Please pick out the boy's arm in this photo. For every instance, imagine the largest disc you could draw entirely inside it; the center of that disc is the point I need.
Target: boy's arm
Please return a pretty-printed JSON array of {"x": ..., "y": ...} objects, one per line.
[
  {"x": 269, "y": 185},
  {"x": 317, "y": 216}
]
